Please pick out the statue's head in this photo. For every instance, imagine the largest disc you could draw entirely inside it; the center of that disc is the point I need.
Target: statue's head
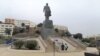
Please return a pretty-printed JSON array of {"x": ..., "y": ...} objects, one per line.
[{"x": 46, "y": 4}]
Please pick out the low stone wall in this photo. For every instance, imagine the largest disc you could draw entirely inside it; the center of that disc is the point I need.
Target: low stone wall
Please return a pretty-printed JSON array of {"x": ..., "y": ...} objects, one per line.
[
  {"x": 90, "y": 54},
  {"x": 42, "y": 48}
]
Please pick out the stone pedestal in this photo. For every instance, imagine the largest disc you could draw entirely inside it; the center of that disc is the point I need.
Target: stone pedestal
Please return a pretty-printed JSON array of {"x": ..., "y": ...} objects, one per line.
[{"x": 47, "y": 29}]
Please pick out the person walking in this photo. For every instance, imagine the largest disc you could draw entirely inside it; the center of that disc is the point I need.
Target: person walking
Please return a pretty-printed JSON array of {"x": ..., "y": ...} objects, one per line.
[{"x": 66, "y": 46}]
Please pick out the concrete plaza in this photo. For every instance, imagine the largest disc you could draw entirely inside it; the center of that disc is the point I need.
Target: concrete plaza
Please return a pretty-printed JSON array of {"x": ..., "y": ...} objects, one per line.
[{"x": 6, "y": 51}]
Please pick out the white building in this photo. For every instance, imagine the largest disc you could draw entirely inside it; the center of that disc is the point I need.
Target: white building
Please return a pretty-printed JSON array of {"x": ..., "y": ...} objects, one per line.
[
  {"x": 61, "y": 27},
  {"x": 32, "y": 24},
  {"x": 18, "y": 23},
  {"x": 4, "y": 27}
]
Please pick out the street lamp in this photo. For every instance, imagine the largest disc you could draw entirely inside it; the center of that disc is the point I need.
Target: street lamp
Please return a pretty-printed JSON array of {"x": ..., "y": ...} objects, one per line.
[
  {"x": 54, "y": 48},
  {"x": 12, "y": 42}
]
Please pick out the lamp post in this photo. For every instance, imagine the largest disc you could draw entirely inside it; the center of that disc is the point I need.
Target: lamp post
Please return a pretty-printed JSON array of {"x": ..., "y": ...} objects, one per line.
[
  {"x": 11, "y": 42},
  {"x": 54, "y": 48}
]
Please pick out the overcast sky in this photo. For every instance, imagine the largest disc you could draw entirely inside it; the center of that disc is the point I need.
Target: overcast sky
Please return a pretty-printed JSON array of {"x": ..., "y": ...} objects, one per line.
[{"x": 78, "y": 15}]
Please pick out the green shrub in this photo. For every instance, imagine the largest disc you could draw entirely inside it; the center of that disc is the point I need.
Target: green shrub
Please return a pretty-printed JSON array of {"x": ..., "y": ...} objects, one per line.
[
  {"x": 31, "y": 44},
  {"x": 37, "y": 32},
  {"x": 87, "y": 40},
  {"x": 7, "y": 37},
  {"x": 2, "y": 41},
  {"x": 18, "y": 44},
  {"x": 91, "y": 42}
]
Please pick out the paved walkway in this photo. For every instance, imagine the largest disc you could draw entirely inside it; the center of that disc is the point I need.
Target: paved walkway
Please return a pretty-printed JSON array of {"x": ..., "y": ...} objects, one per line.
[
  {"x": 5, "y": 51},
  {"x": 10, "y": 52}
]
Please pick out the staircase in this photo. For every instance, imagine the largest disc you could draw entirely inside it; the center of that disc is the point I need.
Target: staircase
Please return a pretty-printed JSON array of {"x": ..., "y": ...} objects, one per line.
[
  {"x": 50, "y": 46},
  {"x": 79, "y": 45}
]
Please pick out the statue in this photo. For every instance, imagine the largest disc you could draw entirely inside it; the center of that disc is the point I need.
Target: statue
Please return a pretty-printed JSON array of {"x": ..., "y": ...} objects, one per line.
[
  {"x": 47, "y": 27},
  {"x": 47, "y": 11}
]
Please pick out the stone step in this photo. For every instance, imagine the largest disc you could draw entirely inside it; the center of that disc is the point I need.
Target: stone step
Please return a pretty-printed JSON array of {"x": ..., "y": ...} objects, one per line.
[{"x": 75, "y": 43}]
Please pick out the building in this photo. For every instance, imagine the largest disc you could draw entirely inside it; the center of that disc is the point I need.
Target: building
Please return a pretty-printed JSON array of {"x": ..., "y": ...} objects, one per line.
[
  {"x": 4, "y": 27},
  {"x": 64, "y": 28},
  {"x": 19, "y": 23},
  {"x": 9, "y": 21},
  {"x": 32, "y": 24}
]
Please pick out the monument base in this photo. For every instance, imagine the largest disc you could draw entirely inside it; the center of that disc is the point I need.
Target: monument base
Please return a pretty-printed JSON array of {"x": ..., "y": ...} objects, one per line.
[{"x": 47, "y": 29}]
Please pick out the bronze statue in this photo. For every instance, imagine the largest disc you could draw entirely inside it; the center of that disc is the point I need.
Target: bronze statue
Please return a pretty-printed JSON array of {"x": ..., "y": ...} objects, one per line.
[{"x": 47, "y": 11}]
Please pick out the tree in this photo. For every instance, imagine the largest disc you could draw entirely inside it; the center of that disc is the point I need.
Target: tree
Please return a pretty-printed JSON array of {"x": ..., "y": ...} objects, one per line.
[
  {"x": 87, "y": 40},
  {"x": 8, "y": 31},
  {"x": 39, "y": 25},
  {"x": 31, "y": 44},
  {"x": 22, "y": 30},
  {"x": 56, "y": 29},
  {"x": 37, "y": 32},
  {"x": 18, "y": 44},
  {"x": 68, "y": 34},
  {"x": 92, "y": 42},
  {"x": 78, "y": 36},
  {"x": 23, "y": 24},
  {"x": 16, "y": 30}
]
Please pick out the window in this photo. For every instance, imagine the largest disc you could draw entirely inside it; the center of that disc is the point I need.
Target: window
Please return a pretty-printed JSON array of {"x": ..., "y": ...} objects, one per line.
[
  {"x": 10, "y": 26},
  {"x": 2, "y": 26},
  {"x": 6, "y": 25}
]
